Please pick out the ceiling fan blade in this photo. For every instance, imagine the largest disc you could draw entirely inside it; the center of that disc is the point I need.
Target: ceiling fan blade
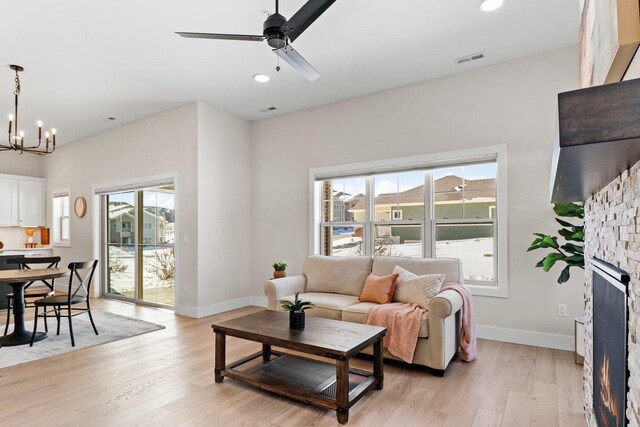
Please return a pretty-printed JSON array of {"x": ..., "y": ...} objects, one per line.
[
  {"x": 293, "y": 58},
  {"x": 241, "y": 37},
  {"x": 306, "y": 16}
]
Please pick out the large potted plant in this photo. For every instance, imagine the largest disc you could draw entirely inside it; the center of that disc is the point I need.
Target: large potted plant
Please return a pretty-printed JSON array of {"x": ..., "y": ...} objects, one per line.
[
  {"x": 296, "y": 311},
  {"x": 570, "y": 253}
]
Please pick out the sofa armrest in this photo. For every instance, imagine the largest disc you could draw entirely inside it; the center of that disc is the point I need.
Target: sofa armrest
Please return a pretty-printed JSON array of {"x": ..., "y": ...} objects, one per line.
[
  {"x": 445, "y": 304},
  {"x": 444, "y": 327},
  {"x": 277, "y": 288}
]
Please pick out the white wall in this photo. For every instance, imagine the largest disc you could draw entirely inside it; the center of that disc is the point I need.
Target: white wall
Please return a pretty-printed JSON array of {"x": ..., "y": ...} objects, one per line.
[
  {"x": 22, "y": 164},
  {"x": 512, "y": 103},
  {"x": 224, "y": 211},
  {"x": 209, "y": 151},
  {"x": 163, "y": 143}
]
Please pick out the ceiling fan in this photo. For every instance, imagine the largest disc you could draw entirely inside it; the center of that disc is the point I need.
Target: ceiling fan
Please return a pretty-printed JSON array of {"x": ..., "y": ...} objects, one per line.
[{"x": 279, "y": 33}]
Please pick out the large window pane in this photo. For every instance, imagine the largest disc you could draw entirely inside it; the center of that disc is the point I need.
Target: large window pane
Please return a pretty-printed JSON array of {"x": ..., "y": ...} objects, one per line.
[
  {"x": 121, "y": 270},
  {"x": 398, "y": 240},
  {"x": 343, "y": 200},
  {"x": 399, "y": 196},
  {"x": 157, "y": 246},
  {"x": 465, "y": 192},
  {"x": 342, "y": 241},
  {"x": 471, "y": 243}
]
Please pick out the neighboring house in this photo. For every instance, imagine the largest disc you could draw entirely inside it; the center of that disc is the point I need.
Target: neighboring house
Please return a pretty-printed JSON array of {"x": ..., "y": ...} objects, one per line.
[
  {"x": 121, "y": 226},
  {"x": 456, "y": 198},
  {"x": 341, "y": 206}
]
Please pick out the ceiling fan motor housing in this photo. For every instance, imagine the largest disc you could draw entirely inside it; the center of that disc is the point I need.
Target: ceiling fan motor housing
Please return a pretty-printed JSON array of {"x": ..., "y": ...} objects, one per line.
[{"x": 273, "y": 31}]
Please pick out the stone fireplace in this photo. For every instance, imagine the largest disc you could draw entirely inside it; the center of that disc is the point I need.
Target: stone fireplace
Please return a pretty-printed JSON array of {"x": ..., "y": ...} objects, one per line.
[{"x": 612, "y": 234}]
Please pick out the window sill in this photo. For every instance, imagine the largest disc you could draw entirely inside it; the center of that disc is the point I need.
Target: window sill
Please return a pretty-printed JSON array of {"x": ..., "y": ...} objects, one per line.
[
  {"x": 61, "y": 244},
  {"x": 495, "y": 291}
]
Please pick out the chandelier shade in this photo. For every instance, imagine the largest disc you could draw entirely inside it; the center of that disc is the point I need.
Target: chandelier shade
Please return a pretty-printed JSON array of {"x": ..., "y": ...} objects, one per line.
[{"x": 16, "y": 137}]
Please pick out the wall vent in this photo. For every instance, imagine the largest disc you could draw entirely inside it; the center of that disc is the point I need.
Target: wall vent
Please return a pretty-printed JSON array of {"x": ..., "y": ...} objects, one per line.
[
  {"x": 470, "y": 58},
  {"x": 266, "y": 110}
]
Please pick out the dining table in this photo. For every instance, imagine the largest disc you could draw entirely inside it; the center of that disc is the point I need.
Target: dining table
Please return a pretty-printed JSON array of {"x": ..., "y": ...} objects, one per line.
[{"x": 18, "y": 280}]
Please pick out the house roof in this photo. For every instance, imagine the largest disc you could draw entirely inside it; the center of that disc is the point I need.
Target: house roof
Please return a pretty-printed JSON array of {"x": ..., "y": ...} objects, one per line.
[{"x": 447, "y": 189}]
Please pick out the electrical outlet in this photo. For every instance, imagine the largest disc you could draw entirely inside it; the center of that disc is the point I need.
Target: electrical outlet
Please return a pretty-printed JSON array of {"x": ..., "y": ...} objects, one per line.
[{"x": 562, "y": 310}]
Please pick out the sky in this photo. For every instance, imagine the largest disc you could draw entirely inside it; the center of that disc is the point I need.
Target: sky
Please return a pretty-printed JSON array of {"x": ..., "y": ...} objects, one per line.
[{"x": 398, "y": 182}]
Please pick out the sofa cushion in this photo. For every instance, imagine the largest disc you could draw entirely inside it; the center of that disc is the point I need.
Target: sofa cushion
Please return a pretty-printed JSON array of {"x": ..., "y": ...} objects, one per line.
[
  {"x": 450, "y": 267},
  {"x": 338, "y": 275},
  {"x": 414, "y": 289},
  {"x": 357, "y": 313},
  {"x": 325, "y": 305},
  {"x": 379, "y": 289}
]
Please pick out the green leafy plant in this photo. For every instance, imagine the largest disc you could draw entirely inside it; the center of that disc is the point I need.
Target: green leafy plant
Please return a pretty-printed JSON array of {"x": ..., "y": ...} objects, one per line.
[
  {"x": 279, "y": 266},
  {"x": 297, "y": 306},
  {"x": 570, "y": 253}
]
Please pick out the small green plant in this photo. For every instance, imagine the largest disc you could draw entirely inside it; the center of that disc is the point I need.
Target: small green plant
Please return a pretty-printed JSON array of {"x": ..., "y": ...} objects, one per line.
[
  {"x": 570, "y": 253},
  {"x": 297, "y": 306},
  {"x": 279, "y": 266}
]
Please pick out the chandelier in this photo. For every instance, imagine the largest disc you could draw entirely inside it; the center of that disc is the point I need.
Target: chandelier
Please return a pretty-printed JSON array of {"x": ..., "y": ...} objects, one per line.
[{"x": 16, "y": 140}]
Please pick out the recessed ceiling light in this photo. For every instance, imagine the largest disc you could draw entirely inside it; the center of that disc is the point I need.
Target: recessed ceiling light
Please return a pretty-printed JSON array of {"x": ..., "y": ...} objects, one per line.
[
  {"x": 491, "y": 5},
  {"x": 261, "y": 78}
]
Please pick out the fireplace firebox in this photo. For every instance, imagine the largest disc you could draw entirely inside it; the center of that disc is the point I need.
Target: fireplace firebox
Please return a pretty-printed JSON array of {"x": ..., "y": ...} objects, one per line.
[{"x": 610, "y": 350}]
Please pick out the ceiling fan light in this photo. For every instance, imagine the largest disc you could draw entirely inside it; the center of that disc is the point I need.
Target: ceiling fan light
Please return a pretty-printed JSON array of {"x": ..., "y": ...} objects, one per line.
[
  {"x": 491, "y": 5},
  {"x": 261, "y": 78}
]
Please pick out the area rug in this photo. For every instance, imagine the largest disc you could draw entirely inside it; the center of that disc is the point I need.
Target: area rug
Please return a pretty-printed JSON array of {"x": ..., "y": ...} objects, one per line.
[{"x": 112, "y": 327}]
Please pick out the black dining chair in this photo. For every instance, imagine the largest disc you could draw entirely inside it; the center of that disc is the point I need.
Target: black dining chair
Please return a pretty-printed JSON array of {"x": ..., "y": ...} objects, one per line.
[
  {"x": 23, "y": 263},
  {"x": 78, "y": 292}
]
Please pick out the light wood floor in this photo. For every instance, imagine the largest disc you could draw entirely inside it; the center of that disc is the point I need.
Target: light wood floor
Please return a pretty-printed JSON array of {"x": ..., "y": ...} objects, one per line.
[{"x": 166, "y": 378}]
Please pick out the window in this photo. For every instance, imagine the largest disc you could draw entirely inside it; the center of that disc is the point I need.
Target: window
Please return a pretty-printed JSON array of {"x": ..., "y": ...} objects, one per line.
[
  {"x": 148, "y": 226},
  {"x": 426, "y": 208},
  {"x": 60, "y": 224}
]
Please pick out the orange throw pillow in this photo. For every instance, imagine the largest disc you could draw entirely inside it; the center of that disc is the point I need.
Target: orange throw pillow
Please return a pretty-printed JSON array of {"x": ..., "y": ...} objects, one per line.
[{"x": 379, "y": 289}]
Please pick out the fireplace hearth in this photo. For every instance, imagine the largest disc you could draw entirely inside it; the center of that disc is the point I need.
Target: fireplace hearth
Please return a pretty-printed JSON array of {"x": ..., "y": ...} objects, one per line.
[{"x": 610, "y": 349}]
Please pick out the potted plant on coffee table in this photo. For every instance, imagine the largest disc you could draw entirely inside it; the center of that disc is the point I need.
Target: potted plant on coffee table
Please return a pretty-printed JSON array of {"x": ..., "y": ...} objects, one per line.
[
  {"x": 296, "y": 311},
  {"x": 279, "y": 270}
]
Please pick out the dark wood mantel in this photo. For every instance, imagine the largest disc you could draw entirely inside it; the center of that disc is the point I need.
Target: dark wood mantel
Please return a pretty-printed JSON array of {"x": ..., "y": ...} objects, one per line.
[{"x": 598, "y": 139}]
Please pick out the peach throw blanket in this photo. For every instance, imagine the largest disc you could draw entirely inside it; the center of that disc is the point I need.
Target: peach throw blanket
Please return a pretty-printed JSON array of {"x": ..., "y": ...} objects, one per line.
[
  {"x": 403, "y": 326},
  {"x": 468, "y": 340}
]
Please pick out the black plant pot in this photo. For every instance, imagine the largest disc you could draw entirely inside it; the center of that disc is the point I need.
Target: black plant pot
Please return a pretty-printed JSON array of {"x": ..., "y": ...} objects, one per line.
[{"x": 296, "y": 320}]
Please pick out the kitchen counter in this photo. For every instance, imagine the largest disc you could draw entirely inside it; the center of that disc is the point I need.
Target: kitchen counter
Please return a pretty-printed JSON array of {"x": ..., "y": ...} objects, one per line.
[{"x": 23, "y": 249}]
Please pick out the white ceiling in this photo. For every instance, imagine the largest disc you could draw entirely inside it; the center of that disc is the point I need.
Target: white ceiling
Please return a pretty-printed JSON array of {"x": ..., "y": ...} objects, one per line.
[{"x": 88, "y": 60}]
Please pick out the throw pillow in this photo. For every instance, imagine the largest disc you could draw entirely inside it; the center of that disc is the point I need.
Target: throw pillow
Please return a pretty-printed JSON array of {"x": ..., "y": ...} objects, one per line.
[
  {"x": 411, "y": 288},
  {"x": 378, "y": 289}
]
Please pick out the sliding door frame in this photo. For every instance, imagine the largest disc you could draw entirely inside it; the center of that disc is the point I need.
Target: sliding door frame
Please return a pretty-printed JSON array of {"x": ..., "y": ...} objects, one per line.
[{"x": 100, "y": 232}]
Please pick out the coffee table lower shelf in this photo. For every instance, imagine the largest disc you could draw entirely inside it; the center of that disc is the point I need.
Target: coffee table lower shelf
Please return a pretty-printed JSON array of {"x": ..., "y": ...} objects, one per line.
[{"x": 300, "y": 378}]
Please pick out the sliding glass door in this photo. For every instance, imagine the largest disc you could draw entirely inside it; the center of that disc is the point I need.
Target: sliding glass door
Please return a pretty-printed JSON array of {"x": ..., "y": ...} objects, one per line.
[{"x": 138, "y": 245}]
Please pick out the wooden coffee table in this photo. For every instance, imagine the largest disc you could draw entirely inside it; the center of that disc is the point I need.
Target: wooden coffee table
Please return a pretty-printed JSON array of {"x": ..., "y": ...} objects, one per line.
[{"x": 327, "y": 385}]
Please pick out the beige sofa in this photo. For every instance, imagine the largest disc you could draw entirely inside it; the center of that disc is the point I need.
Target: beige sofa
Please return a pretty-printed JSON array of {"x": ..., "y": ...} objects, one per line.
[{"x": 334, "y": 284}]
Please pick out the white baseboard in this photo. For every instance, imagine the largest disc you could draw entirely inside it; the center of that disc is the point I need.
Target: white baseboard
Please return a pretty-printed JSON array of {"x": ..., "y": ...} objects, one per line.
[
  {"x": 536, "y": 339},
  {"x": 210, "y": 310}
]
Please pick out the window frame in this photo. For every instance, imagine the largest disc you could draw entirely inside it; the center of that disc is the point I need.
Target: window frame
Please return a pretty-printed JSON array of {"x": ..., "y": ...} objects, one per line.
[
  {"x": 429, "y": 162},
  {"x": 57, "y": 217}
]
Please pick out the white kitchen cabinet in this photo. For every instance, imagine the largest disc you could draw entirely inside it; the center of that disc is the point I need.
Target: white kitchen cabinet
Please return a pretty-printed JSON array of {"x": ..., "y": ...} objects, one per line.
[
  {"x": 31, "y": 194},
  {"x": 8, "y": 202},
  {"x": 22, "y": 201}
]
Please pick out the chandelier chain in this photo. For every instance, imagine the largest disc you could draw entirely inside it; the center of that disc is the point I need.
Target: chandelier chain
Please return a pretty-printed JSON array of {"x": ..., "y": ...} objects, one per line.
[{"x": 17, "y": 91}]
